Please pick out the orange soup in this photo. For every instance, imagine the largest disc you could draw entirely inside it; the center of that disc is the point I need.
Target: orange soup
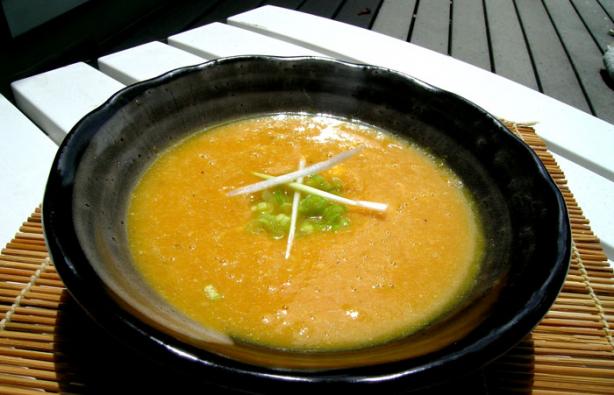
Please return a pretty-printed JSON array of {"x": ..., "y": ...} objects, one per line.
[{"x": 379, "y": 277}]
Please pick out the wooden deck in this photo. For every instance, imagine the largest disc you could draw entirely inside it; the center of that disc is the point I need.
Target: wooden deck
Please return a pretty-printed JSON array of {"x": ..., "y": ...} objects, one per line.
[{"x": 553, "y": 46}]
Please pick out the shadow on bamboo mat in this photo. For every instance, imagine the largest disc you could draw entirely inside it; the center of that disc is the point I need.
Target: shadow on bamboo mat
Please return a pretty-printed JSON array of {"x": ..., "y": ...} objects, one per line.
[{"x": 89, "y": 360}]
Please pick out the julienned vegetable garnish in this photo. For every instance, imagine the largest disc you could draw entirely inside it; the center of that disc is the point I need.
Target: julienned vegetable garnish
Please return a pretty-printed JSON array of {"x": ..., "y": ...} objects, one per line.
[
  {"x": 275, "y": 214},
  {"x": 295, "y": 202},
  {"x": 271, "y": 211},
  {"x": 285, "y": 178},
  {"x": 381, "y": 207}
]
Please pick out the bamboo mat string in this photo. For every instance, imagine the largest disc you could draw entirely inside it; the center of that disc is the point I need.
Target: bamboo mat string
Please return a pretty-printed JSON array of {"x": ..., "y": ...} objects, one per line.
[
  {"x": 514, "y": 126},
  {"x": 17, "y": 303},
  {"x": 591, "y": 291}
]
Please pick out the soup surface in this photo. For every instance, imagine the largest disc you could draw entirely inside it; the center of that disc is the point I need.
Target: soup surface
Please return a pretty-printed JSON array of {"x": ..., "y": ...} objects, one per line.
[{"x": 382, "y": 276}]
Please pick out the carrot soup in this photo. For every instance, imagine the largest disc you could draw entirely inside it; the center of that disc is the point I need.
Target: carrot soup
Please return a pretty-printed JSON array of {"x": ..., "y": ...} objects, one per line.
[{"x": 353, "y": 277}]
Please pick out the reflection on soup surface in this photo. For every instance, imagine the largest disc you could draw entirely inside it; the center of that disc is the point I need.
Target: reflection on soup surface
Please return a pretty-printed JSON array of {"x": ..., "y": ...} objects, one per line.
[{"x": 377, "y": 277}]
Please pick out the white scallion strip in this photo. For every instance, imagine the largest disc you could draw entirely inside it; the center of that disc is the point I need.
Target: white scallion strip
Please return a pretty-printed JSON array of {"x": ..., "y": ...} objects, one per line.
[
  {"x": 295, "y": 201},
  {"x": 284, "y": 179},
  {"x": 381, "y": 207}
]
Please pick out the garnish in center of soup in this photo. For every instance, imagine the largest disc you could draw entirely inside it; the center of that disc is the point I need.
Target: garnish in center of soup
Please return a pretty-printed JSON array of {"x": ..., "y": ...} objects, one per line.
[
  {"x": 272, "y": 210},
  {"x": 289, "y": 266}
]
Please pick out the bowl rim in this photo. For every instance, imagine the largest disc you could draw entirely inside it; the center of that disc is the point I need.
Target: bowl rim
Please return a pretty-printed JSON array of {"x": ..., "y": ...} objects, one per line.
[{"x": 128, "y": 329}]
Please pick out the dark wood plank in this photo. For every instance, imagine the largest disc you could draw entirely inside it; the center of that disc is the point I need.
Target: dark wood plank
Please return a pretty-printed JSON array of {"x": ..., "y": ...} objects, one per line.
[
  {"x": 291, "y": 4},
  {"x": 510, "y": 54},
  {"x": 323, "y": 8},
  {"x": 171, "y": 20},
  {"x": 469, "y": 35},
  {"x": 585, "y": 56},
  {"x": 597, "y": 21},
  {"x": 23, "y": 16},
  {"x": 394, "y": 18},
  {"x": 359, "y": 13},
  {"x": 554, "y": 69},
  {"x": 5, "y": 32},
  {"x": 608, "y": 6},
  {"x": 432, "y": 25},
  {"x": 75, "y": 36},
  {"x": 225, "y": 9}
]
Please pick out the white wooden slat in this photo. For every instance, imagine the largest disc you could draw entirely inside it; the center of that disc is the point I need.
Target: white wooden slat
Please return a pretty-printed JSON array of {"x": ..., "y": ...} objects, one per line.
[
  {"x": 570, "y": 132},
  {"x": 145, "y": 61},
  {"x": 57, "y": 99},
  {"x": 26, "y": 155},
  {"x": 595, "y": 195},
  {"x": 219, "y": 40}
]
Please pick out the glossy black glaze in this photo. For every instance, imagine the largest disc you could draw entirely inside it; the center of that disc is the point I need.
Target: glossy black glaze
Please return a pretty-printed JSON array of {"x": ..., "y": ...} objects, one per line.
[{"x": 524, "y": 214}]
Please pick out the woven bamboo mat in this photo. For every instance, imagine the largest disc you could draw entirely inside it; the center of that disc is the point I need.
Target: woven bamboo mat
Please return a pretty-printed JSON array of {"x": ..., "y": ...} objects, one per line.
[{"x": 47, "y": 345}]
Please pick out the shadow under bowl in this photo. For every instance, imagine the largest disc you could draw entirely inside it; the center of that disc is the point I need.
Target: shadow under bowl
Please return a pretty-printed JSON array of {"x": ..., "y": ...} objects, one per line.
[{"x": 524, "y": 218}]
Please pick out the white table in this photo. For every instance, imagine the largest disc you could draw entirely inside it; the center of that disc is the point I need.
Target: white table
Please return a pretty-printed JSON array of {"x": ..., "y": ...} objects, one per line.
[{"x": 49, "y": 104}]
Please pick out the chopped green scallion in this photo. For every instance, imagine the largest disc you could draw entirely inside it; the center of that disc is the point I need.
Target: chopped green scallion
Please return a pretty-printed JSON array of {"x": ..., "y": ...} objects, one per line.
[
  {"x": 212, "y": 293},
  {"x": 312, "y": 205},
  {"x": 315, "y": 214}
]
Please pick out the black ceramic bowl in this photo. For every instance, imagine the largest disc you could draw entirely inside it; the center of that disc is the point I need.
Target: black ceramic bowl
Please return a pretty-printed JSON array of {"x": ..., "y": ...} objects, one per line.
[{"x": 524, "y": 217}]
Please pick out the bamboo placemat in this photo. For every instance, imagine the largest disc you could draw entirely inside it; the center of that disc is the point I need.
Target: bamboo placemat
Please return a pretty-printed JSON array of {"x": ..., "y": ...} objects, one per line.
[{"x": 48, "y": 345}]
